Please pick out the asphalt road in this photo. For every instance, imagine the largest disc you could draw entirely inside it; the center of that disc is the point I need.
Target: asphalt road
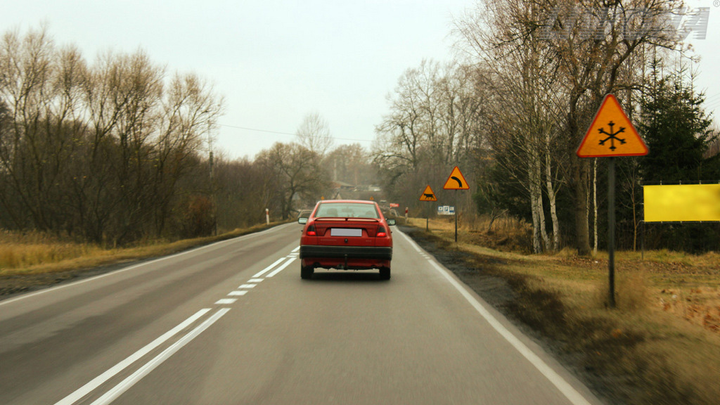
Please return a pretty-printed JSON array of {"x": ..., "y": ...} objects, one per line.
[{"x": 233, "y": 323}]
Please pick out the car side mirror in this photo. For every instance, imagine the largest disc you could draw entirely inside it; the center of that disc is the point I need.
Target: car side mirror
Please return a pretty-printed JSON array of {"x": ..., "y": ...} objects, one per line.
[
  {"x": 302, "y": 220},
  {"x": 391, "y": 222}
]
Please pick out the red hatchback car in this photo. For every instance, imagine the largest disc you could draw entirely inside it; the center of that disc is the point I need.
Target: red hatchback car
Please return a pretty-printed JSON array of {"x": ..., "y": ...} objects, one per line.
[{"x": 346, "y": 235}]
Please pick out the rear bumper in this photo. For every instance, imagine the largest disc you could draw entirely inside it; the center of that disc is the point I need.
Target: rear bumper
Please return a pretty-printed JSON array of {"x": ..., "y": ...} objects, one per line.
[{"x": 341, "y": 252}]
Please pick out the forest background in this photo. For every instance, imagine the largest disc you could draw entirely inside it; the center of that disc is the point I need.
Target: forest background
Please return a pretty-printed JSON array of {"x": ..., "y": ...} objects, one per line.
[{"x": 119, "y": 151}]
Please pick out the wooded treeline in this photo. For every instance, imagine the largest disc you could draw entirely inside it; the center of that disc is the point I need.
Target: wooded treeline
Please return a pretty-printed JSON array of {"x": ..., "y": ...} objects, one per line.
[
  {"x": 106, "y": 152},
  {"x": 513, "y": 108},
  {"x": 116, "y": 151}
]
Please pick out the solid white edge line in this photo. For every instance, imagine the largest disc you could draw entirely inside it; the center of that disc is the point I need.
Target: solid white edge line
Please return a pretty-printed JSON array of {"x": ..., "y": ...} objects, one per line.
[
  {"x": 140, "y": 265},
  {"x": 99, "y": 380},
  {"x": 268, "y": 268},
  {"x": 281, "y": 268},
  {"x": 131, "y": 380},
  {"x": 565, "y": 388}
]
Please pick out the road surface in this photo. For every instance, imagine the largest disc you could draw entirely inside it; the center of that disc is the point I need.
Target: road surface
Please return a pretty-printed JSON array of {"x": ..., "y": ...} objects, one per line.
[{"x": 233, "y": 323}]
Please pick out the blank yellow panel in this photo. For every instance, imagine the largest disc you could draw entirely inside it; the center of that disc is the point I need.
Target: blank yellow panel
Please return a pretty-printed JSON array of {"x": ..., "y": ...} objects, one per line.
[{"x": 676, "y": 203}]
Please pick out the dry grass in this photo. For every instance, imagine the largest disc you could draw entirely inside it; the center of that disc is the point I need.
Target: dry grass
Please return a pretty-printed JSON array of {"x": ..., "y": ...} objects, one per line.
[
  {"x": 36, "y": 253},
  {"x": 661, "y": 345}
]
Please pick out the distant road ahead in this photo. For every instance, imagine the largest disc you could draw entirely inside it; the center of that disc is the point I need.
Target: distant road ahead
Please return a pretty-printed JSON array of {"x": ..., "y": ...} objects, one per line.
[{"x": 233, "y": 323}]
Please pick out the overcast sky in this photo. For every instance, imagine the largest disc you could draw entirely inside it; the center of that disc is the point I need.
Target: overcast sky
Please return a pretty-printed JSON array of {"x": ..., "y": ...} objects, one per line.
[{"x": 276, "y": 61}]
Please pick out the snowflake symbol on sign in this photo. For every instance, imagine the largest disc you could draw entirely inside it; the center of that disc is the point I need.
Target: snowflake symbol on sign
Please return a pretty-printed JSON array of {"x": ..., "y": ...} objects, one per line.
[{"x": 611, "y": 136}]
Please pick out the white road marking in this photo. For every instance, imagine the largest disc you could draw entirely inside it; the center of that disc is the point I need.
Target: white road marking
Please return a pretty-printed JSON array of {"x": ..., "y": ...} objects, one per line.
[
  {"x": 296, "y": 249},
  {"x": 216, "y": 244},
  {"x": 237, "y": 293},
  {"x": 570, "y": 393},
  {"x": 255, "y": 280},
  {"x": 281, "y": 268},
  {"x": 268, "y": 268},
  {"x": 247, "y": 286},
  {"x": 127, "y": 383},
  {"x": 225, "y": 301},
  {"x": 99, "y": 380}
]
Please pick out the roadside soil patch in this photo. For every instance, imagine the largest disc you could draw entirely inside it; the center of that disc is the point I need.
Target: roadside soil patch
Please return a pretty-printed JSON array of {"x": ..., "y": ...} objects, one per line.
[
  {"x": 21, "y": 280},
  {"x": 648, "y": 351}
]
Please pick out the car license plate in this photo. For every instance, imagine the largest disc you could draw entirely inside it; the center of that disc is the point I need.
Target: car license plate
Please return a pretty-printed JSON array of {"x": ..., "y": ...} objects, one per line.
[{"x": 345, "y": 232}]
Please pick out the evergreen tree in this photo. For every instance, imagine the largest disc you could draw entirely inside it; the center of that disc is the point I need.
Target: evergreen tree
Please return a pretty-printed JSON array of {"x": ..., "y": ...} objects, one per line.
[{"x": 676, "y": 130}]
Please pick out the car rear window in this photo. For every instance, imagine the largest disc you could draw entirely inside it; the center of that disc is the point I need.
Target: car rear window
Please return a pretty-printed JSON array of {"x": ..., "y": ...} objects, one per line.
[{"x": 347, "y": 210}]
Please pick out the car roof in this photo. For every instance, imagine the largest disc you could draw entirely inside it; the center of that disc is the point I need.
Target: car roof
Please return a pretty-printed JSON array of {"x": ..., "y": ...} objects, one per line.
[{"x": 347, "y": 201}]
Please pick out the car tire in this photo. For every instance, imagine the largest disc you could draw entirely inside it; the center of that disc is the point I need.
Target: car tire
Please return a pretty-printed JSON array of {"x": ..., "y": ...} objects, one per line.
[
  {"x": 306, "y": 272},
  {"x": 385, "y": 273}
]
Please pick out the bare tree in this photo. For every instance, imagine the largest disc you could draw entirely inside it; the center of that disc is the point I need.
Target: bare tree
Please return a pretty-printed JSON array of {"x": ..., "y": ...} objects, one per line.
[
  {"x": 296, "y": 174},
  {"x": 314, "y": 134},
  {"x": 583, "y": 46},
  {"x": 95, "y": 151}
]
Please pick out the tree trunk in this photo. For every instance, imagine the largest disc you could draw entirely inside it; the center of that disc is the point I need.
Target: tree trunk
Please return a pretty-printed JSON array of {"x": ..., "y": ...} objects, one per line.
[
  {"x": 551, "y": 195},
  {"x": 540, "y": 237},
  {"x": 580, "y": 177}
]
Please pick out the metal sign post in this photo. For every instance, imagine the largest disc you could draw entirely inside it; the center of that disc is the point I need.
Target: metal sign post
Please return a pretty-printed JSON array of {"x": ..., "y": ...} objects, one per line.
[
  {"x": 611, "y": 231},
  {"x": 428, "y": 195},
  {"x": 611, "y": 134},
  {"x": 456, "y": 215},
  {"x": 456, "y": 181}
]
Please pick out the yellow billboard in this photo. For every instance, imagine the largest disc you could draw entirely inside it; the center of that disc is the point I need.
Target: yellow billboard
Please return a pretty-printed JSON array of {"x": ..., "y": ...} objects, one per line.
[{"x": 682, "y": 203}]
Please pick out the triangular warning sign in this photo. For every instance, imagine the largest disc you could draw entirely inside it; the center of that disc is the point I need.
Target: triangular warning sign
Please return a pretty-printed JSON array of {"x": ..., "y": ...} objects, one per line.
[
  {"x": 611, "y": 134},
  {"x": 428, "y": 195},
  {"x": 456, "y": 181}
]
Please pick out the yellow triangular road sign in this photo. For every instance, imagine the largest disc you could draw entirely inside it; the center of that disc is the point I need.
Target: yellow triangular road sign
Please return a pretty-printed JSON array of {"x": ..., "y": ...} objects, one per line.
[
  {"x": 611, "y": 134},
  {"x": 428, "y": 195},
  {"x": 456, "y": 181}
]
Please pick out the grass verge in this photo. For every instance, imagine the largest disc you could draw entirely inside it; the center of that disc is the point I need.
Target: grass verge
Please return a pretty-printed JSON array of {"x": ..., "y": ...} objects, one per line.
[
  {"x": 32, "y": 261},
  {"x": 660, "y": 346}
]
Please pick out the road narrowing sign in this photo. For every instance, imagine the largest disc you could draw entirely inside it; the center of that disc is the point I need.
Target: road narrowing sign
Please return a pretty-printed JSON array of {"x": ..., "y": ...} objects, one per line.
[
  {"x": 611, "y": 134},
  {"x": 428, "y": 195},
  {"x": 456, "y": 181}
]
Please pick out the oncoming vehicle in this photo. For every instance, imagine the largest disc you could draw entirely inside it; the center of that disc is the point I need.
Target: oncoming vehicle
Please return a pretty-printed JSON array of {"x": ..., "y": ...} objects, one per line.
[{"x": 346, "y": 235}]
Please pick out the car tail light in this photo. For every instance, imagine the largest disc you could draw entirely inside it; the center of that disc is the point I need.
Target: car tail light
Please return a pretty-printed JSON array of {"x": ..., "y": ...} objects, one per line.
[
  {"x": 381, "y": 232},
  {"x": 311, "y": 230}
]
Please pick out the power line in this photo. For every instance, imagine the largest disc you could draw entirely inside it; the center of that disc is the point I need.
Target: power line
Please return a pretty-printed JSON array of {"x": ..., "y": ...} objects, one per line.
[{"x": 286, "y": 133}]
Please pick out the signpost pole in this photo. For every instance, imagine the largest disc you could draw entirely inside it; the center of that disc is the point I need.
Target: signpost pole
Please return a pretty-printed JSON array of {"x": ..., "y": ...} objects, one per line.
[
  {"x": 427, "y": 220},
  {"x": 457, "y": 210},
  {"x": 611, "y": 232},
  {"x": 603, "y": 139}
]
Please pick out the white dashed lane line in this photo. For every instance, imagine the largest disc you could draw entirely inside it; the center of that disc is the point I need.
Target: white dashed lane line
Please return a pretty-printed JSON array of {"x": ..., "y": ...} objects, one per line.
[
  {"x": 268, "y": 268},
  {"x": 281, "y": 268},
  {"x": 102, "y": 378},
  {"x": 226, "y": 301},
  {"x": 125, "y": 385},
  {"x": 115, "y": 392}
]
